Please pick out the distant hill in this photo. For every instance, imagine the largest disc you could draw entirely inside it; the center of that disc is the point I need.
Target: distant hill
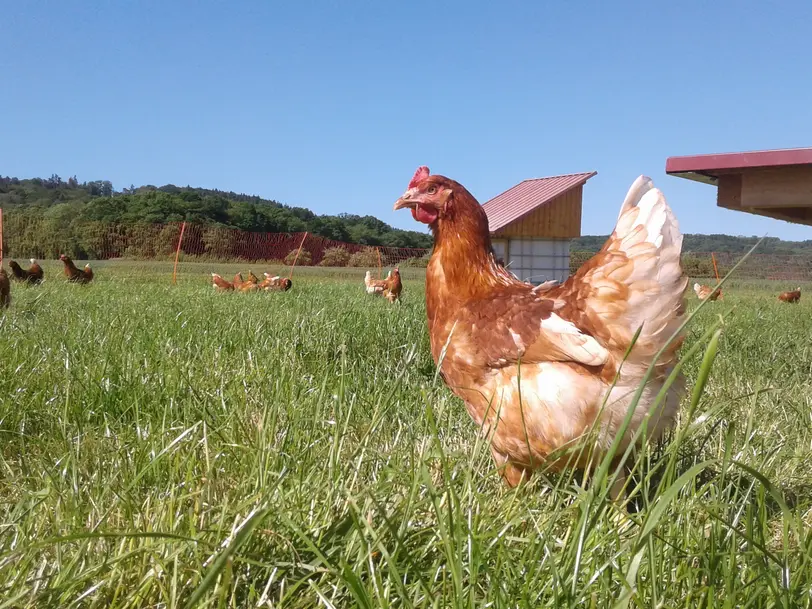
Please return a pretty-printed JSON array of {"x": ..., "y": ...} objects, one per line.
[
  {"x": 72, "y": 202},
  {"x": 711, "y": 243}
]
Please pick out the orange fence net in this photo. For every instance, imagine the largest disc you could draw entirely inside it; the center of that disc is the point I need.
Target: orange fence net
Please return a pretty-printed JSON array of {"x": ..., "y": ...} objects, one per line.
[
  {"x": 45, "y": 237},
  {"x": 773, "y": 266}
]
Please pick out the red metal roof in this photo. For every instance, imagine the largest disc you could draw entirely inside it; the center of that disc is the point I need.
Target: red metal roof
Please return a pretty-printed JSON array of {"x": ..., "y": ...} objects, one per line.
[
  {"x": 529, "y": 195},
  {"x": 708, "y": 167}
]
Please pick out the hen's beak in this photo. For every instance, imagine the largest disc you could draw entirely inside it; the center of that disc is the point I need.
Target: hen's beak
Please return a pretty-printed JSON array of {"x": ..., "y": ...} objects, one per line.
[{"x": 407, "y": 199}]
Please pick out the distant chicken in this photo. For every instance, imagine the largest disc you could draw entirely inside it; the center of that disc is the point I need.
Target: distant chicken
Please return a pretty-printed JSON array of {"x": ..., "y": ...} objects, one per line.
[
  {"x": 393, "y": 286},
  {"x": 33, "y": 275},
  {"x": 793, "y": 296},
  {"x": 75, "y": 275},
  {"x": 5, "y": 289},
  {"x": 375, "y": 286},
  {"x": 533, "y": 364},
  {"x": 242, "y": 285},
  {"x": 704, "y": 292},
  {"x": 220, "y": 284},
  {"x": 275, "y": 283},
  {"x": 252, "y": 278}
]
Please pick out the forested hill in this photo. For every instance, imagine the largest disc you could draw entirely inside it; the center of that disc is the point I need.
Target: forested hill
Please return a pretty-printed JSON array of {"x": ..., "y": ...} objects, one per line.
[
  {"x": 72, "y": 201},
  {"x": 76, "y": 202},
  {"x": 712, "y": 243}
]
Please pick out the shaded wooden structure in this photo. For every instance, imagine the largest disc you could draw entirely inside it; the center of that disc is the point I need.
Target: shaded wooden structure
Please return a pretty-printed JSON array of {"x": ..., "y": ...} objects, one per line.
[
  {"x": 772, "y": 183},
  {"x": 532, "y": 224}
]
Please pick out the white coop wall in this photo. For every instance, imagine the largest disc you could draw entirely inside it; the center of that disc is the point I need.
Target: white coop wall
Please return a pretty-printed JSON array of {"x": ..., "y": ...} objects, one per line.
[{"x": 538, "y": 260}]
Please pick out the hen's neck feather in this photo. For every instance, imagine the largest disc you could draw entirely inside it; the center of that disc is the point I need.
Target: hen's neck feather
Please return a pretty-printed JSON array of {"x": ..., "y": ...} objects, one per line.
[{"x": 462, "y": 265}]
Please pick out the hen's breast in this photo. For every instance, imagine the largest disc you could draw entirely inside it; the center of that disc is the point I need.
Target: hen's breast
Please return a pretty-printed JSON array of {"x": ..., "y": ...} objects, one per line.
[{"x": 532, "y": 410}]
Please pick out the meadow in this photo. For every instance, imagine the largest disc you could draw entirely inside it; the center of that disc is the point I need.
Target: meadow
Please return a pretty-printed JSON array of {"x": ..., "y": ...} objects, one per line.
[{"x": 167, "y": 446}]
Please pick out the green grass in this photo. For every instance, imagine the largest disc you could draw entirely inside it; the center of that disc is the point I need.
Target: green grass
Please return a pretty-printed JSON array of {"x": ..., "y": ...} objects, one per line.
[{"x": 164, "y": 445}]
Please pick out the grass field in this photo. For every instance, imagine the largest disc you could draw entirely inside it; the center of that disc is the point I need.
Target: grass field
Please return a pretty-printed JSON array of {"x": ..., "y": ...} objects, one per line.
[{"x": 165, "y": 445}]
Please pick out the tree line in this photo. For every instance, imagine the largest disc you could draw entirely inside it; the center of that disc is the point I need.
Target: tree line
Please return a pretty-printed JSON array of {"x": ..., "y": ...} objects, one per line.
[
  {"x": 69, "y": 205},
  {"x": 65, "y": 203}
]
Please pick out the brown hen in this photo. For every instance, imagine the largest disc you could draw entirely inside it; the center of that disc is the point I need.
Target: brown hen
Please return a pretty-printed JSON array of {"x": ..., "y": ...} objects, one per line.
[
  {"x": 275, "y": 283},
  {"x": 33, "y": 275},
  {"x": 375, "y": 286},
  {"x": 393, "y": 286},
  {"x": 533, "y": 364},
  {"x": 74, "y": 274},
  {"x": 792, "y": 296},
  {"x": 220, "y": 284},
  {"x": 705, "y": 292}
]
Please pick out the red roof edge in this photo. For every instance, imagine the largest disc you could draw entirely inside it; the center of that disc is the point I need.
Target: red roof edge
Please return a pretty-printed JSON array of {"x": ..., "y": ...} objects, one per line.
[
  {"x": 586, "y": 176},
  {"x": 710, "y": 163},
  {"x": 499, "y": 220}
]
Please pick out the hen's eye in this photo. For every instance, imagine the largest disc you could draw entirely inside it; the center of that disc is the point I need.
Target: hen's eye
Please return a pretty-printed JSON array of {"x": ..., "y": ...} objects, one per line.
[{"x": 432, "y": 190}]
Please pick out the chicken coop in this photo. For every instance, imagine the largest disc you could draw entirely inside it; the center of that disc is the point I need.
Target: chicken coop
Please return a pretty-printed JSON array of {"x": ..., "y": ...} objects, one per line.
[
  {"x": 532, "y": 224},
  {"x": 772, "y": 183}
]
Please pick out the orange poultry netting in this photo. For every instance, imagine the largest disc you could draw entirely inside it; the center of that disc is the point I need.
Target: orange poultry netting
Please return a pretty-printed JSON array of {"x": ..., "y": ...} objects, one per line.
[
  {"x": 775, "y": 267},
  {"x": 27, "y": 237}
]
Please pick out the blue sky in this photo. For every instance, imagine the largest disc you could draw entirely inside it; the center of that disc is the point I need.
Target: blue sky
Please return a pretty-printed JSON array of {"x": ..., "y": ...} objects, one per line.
[{"x": 332, "y": 105}]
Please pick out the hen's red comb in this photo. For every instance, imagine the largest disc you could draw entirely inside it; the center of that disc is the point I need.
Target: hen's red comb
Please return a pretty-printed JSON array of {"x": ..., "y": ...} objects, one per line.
[{"x": 421, "y": 174}]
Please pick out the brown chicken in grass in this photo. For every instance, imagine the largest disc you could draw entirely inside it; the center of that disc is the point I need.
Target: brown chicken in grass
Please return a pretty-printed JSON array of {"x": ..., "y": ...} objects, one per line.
[
  {"x": 220, "y": 284},
  {"x": 5, "y": 289},
  {"x": 246, "y": 286},
  {"x": 533, "y": 364},
  {"x": 705, "y": 292},
  {"x": 33, "y": 275},
  {"x": 250, "y": 284},
  {"x": 793, "y": 296},
  {"x": 269, "y": 283},
  {"x": 375, "y": 286},
  {"x": 393, "y": 286},
  {"x": 242, "y": 285},
  {"x": 74, "y": 274},
  {"x": 275, "y": 283},
  {"x": 390, "y": 288}
]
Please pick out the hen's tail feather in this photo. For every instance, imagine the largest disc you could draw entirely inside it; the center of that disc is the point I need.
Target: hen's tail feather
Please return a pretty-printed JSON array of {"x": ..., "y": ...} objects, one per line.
[
  {"x": 638, "y": 188},
  {"x": 636, "y": 279},
  {"x": 648, "y": 236}
]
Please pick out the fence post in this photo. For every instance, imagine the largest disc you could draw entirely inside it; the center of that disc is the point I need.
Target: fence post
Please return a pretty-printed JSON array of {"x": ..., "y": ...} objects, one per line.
[
  {"x": 715, "y": 269},
  {"x": 177, "y": 254},
  {"x": 380, "y": 270},
  {"x": 299, "y": 251}
]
